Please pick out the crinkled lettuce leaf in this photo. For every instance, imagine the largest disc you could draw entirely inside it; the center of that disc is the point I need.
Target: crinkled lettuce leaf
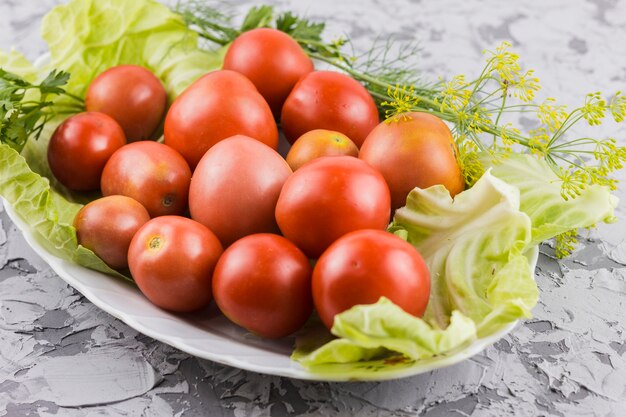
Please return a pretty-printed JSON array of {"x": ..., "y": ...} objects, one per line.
[
  {"x": 475, "y": 247},
  {"x": 372, "y": 331},
  {"x": 540, "y": 190},
  {"x": 86, "y": 37},
  {"x": 49, "y": 215}
]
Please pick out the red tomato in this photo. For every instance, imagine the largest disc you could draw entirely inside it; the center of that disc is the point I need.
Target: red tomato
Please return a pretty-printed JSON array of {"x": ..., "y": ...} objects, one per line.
[
  {"x": 272, "y": 60},
  {"x": 131, "y": 95},
  {"x": 365, "y": 265},
  {"x": 415, "y": 151},
  {"x": 235, "y": 187},
  {"x": 218, "y": 105},
  {"x": 81, "y": 146},
  {"x": 172, "y": 260},
  {"x": 329, "y": 100},
  {"x": 152, "y": 173},
  {"x": 263, "y": 283},
  {"x": 107, "y": 225},
  {"x": 329, "y": 197},
  {"x": 317, "y": 143}
]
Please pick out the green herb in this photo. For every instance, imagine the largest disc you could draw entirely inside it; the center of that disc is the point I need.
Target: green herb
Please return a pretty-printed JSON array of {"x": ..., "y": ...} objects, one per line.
[
  {"x": 477, "y": 108},
  {"x": 25, "y": 108}
]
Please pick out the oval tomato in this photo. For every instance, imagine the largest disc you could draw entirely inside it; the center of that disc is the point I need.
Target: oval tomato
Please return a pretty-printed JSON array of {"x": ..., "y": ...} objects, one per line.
[
  {"x": 172, "y": 260},
  {"x": 415, "y": 151},
  {"x": 235, "y": 187},
  {"x": 329, "y": 100},
  {"x": 152, "y": 173},
  {"x": 131, "y": 95},
  {"x": 272, "y": 60},
  {"x": 318, "y": 143},
  {"x": 329, "y": 197},
  {"x": 263, "y": 283},
  {"x": 107, "y": 225},
  {"x": 81, "y": 146},
  {"x": 365, "y": 265},
  {"x": 219, "y": 105}
]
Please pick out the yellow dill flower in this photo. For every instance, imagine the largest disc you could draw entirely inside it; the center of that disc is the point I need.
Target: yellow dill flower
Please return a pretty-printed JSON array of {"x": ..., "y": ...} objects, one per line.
[
  {"x": 594, "y": 108},
  {"x": 566, "y": 243},
  {"x": 454, "y": 95},
  {"x": 574, "y": 181},
  {"x": 504, "y": 63},
  {"x": 525, "y": 86},
  {"x": 618, "y": 107},
  {"x": 551, "y": 114},
  {"x": 469, "y": 161},
  {"x": 538, "y": 142},
  {"x": 403, "y": 100}
]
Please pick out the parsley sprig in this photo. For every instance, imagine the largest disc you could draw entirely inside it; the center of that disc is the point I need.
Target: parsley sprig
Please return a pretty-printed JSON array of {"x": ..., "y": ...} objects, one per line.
[{"x": 26, "y": 107}]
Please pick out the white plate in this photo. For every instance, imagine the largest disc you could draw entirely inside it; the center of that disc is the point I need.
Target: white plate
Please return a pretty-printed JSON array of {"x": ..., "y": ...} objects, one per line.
[{"x": 211, "y": 336}]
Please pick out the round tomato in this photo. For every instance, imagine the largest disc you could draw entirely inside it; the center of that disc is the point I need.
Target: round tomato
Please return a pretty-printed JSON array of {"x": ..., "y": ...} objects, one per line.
[
  {"x": 415, "y": 151},
  {"x": 235, "y": 187},
  {"x": 81, "y": 146},
  {"x": 365, "y": 265},
  {"x": 131, "y": 95},
  {"x": 263, "y": 283},
  {"x": 329, "y": 100},
  {"x": 329, "y": 197},
  {"x": 317, "y": 143},
  {"x": 219, "y": 105},
  {"x": 150, "y": 172},
  {"x": 107, "y": 225},
  {"x": 172, "y": 260},
  {"x": 272, "y": 60}
]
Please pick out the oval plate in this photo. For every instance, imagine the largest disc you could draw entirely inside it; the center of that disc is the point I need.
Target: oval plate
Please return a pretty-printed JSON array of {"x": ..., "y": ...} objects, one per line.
[{"x": 209, "y": 335}]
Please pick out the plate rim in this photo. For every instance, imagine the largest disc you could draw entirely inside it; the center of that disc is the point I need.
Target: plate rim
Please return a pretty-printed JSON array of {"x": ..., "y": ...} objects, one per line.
[{"x": 295, "y": 371}]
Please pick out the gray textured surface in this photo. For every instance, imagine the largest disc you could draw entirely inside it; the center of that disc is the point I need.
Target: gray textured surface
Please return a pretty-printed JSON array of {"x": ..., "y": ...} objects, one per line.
[{"x": 60, "y": 355}]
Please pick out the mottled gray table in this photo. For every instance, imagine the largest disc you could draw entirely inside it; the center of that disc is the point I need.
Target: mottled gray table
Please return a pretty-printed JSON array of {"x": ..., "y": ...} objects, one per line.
[{"x": 569, "y": 360}]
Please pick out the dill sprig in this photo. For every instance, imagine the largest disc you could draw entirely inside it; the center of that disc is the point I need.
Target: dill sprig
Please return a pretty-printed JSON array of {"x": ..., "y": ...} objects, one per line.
[
  {"x": 25, "y": 108},
  {"x": 477, "y": 108},
  {"x": 385, "y": 63}
]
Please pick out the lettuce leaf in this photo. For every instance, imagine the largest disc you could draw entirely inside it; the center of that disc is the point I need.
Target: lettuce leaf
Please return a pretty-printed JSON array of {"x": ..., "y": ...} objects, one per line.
[
  {"x": 540, "y": 190},
  {"x": 475, "y": 247},
  {"x": 49, "y": 216},
  {"x": 88, "y": 36}
]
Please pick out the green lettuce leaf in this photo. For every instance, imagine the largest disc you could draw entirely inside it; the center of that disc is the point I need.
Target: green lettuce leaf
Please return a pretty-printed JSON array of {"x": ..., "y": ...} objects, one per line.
[
  {"x": 369, "y": 331},
  {"x": 49, "y": 215},
  {"x": 541, "y": 200},
  {"x": 476, "y": 247},
  {"x": 88, "y": 36}
]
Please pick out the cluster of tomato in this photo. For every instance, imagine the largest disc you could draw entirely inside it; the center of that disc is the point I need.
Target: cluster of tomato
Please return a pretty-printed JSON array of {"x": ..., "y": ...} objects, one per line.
[{"x": 215, "y": 212}]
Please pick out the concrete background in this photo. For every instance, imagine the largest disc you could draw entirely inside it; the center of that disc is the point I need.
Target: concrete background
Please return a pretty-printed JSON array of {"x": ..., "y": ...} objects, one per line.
[{"x": 569, "y": 360}]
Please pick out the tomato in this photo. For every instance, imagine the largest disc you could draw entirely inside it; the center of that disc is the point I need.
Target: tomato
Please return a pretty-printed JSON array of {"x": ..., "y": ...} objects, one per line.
[
  {"x": 263, "y": 283},
  {"x": 415, "y": 151},
  {"x": 131, "y": 95},
  {"x": 365, "y": 265},
  {"x": 317, "y": 143},
  {"x": 329, "y": 197},
  {"x": 80, "y": 147},
  {"x": 172, "y": 260},
  {"x": 218, "y": 105},
  {"x": 272, "y": 60},
  {"x": 235, "y": 187},
  {"x": 107, "y": 225},
  {"x": 152, "y": 173},
  {"x": 329, "y": 100}
]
